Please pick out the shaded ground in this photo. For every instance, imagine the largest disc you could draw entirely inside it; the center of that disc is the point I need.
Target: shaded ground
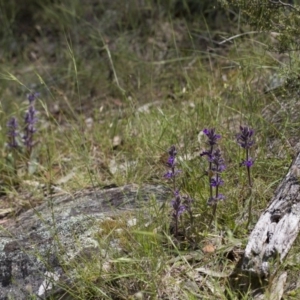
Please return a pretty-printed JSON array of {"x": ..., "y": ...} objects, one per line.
[{"x": 137, "y": 51}]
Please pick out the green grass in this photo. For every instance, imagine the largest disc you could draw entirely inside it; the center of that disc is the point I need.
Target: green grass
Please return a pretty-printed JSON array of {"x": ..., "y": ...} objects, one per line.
[{"x": 95, "y": 73}]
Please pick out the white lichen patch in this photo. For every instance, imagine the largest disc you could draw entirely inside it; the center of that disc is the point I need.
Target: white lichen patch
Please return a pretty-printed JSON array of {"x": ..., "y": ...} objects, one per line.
[{"x": 48, "y": 283}]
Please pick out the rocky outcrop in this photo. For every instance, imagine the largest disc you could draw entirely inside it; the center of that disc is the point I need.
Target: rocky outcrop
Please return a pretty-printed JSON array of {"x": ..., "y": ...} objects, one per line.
[{"x": 35, "y": 245}]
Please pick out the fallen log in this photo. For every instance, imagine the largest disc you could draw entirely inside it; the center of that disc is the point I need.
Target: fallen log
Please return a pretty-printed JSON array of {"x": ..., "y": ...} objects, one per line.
[{"x": 276, "y": 229}]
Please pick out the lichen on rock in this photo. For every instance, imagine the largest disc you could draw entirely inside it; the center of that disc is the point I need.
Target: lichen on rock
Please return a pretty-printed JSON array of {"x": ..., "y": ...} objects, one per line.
[{"x": 36, "y": 247}]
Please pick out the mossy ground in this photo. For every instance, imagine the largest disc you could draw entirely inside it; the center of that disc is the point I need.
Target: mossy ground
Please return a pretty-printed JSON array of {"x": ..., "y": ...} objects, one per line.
[{"x": 121, "y": 83}]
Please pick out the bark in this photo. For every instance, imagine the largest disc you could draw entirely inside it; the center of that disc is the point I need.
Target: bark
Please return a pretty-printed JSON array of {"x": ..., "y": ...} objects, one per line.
[{"x": 276, "y": 230}]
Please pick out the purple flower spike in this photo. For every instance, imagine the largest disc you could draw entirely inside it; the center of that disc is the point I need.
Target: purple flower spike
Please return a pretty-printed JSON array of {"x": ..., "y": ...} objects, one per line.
[
  {"x": 30, "y": 121},
  {"x": 217, "y": 161},
  {"x": 245, "y": 137},
  {"x": 12, "y": 126},
  {"x": 212, "y": 136},
  {"x": 30, "y": 118},
  {"x": 216, "y": 167},
  {"x": 171, "y": 163},
  {"x": 178, "y": 207},
  {"x": 179, "y": 204},
  {"x": 246, "y": 141}
]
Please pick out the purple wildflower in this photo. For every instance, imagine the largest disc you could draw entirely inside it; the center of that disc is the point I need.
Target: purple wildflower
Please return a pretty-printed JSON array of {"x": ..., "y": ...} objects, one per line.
[
  {"x": 245, "y": 137},
  {"x": 245, "y": 140},
  {"x": 217, "y": 161},
  {"x": 178, "y": 207},
  {"x": 29, "y": 130},
  {"x": 171, "y": 163},
  {"x": 216, "y": 166},
  {"x": 12, "y": 133},
  {"x": 179, "y": 203},
  {"x": 30, "y": 121},
  {"x": 172, "y": 154},
  {"x": 212, "y": 136}
]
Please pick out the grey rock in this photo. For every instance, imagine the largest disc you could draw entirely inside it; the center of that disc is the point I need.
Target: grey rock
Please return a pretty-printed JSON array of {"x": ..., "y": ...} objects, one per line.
[{"x": 35, "y": 245}]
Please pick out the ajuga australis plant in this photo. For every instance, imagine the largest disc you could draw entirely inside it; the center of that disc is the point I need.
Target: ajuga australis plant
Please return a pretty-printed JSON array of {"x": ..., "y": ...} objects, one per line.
[
  {"x": 180, "y": 203},
  {"x": 12, "y": 134},
  {"x": 215, "y": 167},
  {"x": 29, "y": 124},
  {"x": 171, "y": 164},
  {"x": 178, "y": 207},
  {"x": 245, "y": 140},
  {"x": 27, "y": 136}
]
